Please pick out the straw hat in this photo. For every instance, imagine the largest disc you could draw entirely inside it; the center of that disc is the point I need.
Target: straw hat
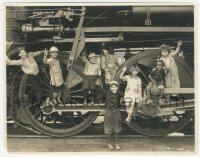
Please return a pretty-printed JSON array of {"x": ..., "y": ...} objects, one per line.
[
  {"x": 53, "y": 49},
  {"x": 92, "y": 55},
  {"x": 113, "y": 83}
]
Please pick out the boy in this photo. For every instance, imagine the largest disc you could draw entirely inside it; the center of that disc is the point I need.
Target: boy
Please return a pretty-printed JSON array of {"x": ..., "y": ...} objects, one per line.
[
  {"x": 157, "y": 76},
  {"x": 92, "y": 73},
  {"x": 112, "y": 118},
  {"x": 30, "y": 67}
]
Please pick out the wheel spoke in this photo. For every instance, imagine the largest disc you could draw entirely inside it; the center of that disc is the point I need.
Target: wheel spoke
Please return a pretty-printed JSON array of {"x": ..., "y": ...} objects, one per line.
[
  {"x": 72, "y": 120},
  {"x": 32, "y": 105},
  {"x": 46, "y": 84},
  {"x": 37, "y": 114},
  {"x": 178, "y": 116},
  {"x": 45, "y": 119},
  {"x": 63, "y": 121},
  {"x": 80, "y": 114},
  {"x": 55, "y": 120},
  {"x": 75, "y": 91}
]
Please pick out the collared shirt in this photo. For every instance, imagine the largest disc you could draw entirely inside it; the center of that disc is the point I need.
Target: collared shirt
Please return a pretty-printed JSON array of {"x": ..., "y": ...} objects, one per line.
[
  {"x": 55, "y": 72},
  {"x": 28, "y": 65}
]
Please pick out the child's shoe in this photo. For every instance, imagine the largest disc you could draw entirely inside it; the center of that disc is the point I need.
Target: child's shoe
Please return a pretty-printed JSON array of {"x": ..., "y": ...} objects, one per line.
[
  {"x": 110, "y": 146},
  {"x": 117, "y": 146}
]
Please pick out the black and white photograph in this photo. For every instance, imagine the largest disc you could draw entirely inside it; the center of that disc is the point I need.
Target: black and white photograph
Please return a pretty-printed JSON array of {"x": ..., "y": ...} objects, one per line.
[{"x": 98, "y": 77}]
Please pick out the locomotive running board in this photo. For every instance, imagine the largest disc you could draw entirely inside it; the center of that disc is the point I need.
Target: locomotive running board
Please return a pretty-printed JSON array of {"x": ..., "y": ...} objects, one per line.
[{"x": 186, "y": 105}]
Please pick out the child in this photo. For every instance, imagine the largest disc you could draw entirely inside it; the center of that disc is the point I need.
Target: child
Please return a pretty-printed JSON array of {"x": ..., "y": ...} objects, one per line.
[
  {"x": 55, "y": 73},
  {"x": 111, "y": 66},
  {"x": 172, "y": 78},
  {"x": 157, "y": 77},
  {"x": 133, "y": 91},
  {"x": 112, "y": 118},
  {"x": 92, "y": 73},
  {"x": 30, "y": 67}
]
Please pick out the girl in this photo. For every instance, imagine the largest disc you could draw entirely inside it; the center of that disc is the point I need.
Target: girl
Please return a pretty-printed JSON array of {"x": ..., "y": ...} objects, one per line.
[
  {"x": 133, "y": 91},
  {"x": 112, "y": 118},
  {"x": 172, "y": 78},
  {"x": 55, "y": 73}
]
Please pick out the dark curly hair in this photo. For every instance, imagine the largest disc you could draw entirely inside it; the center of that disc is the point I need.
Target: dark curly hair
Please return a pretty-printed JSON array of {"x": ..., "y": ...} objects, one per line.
[{"x": 165, "y": 47}]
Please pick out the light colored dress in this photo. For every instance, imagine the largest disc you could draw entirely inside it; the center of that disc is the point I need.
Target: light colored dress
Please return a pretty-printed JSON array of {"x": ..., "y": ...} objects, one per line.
[
  {"x": 132, "y": 89},
  {"x": 55, "y": 72},
  {"x": 172, "y": 77}
]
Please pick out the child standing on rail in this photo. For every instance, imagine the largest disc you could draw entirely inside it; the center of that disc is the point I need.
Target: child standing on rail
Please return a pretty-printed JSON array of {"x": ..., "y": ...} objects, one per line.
[
  {"x": 133, "y": 91},
  {"x": 112, "y": 118},
  {"x": 30, "y": 67},
  {"x": 92, "y": 74},
  {"x": 55, "y": 73},
  {"x": 172, "y": 78}
]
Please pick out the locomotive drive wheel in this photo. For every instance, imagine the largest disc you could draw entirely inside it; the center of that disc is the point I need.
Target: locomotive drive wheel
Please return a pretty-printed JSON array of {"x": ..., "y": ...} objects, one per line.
[
  {"x": 58, "y": 124},
  {"x": 159, "y": 126}
]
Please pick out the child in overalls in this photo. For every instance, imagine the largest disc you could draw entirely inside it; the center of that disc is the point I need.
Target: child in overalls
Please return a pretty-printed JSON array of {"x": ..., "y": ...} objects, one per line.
[
  {"x": 133, "y": 91},
  {"x": 55, "y": 73},
  {"x": 92, "y": 73},
  {"x": 112, "y": 118}
]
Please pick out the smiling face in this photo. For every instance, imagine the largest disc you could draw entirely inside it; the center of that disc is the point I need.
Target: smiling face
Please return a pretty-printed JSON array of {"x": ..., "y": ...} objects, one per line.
[
  {"x": 159, "y": 65},
  {"x": 23, "y": 54},
  {"x": 113, "y": 88},
  {"x": 93, "y": 60},
  {"x": 54, "y": 54}
]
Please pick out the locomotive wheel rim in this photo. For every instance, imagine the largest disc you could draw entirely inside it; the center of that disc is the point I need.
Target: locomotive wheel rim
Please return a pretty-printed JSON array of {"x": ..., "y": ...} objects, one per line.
[
  {"x": 135, "y": 125},
  {"x": 86, "y": 119}
]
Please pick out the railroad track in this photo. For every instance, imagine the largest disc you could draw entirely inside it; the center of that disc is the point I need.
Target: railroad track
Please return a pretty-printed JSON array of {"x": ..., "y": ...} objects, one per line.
[{"x": 95, "y": 130}]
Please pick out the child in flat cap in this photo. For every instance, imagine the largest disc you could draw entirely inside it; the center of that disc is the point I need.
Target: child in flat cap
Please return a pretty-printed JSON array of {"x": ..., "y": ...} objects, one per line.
[
  {"x": 92, "y": 73},
  {"x": 112, "y": 118}
]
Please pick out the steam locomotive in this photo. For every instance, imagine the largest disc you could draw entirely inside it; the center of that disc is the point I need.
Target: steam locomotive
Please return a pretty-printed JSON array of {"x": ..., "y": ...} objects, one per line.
[{"x": 139, "y": 29}]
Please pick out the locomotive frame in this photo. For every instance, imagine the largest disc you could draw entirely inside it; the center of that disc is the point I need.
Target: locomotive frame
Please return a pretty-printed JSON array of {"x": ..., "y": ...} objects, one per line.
[{"x": 67, "y": 27}]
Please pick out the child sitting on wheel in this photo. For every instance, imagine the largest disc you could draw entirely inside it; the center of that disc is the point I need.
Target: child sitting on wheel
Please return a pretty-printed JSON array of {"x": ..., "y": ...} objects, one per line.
[{"x": 157, "y": 77}]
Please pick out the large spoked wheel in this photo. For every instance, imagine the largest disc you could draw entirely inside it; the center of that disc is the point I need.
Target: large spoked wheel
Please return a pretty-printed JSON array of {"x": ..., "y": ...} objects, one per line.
[
  {"x": 58, "y": 124},
  {"x": 160, "y": 126}
]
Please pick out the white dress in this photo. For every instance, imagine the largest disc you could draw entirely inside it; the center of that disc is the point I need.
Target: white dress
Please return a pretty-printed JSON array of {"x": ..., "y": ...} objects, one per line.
[
  {"x": 172, "y": 78},
  {"x": 55, "y": 72},
  {"x": 132, "y": 88}
]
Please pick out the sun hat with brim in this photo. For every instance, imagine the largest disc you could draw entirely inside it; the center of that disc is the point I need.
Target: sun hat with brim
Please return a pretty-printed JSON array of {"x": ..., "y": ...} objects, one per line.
[
  {"x": 53, "y": 49},
  {"x": 111, "y": 83},
  {"x": 92, "y": 55}
]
